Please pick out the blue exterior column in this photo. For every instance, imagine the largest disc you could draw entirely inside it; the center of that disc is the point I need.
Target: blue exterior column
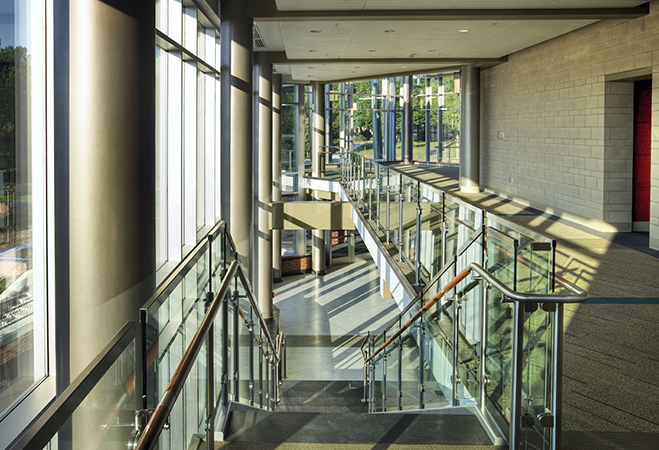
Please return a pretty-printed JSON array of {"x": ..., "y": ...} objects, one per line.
[
  {"x": 470, "y": 130},
  {"x": 408, "y": 155}
]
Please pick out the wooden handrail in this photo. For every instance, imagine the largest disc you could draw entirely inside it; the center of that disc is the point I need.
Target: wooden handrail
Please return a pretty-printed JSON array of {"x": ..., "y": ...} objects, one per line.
[
  {"x": 157, "y": 421},
  {"x": 461, "y": 276}
]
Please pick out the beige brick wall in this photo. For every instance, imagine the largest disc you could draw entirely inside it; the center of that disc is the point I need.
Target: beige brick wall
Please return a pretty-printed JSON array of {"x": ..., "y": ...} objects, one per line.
[{"x": 568, "y": 134}]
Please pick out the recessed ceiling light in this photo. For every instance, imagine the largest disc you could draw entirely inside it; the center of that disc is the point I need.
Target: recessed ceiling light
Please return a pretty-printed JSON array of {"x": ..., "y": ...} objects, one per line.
[
  {"x": 464, "y": 30},
  {"x": 403, "y": 67},
  {"x": 371, "y": 51},
  {"x": 432, "y": 51},
  {"x": 389, "y": 31},
  {"x": 311, "y": 67},
  {"x": 358, "y": 67},
  {"x": 313, "y": 51},
  {"x": 315, "y": 31}
]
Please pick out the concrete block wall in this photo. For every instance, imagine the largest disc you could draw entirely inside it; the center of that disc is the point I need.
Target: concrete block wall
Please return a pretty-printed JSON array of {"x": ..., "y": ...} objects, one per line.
[{"x": 567, "y": 141}]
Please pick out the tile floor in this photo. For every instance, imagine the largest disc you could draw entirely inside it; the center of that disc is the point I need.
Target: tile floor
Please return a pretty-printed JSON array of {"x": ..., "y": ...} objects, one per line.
[{"x": 326, "y": 318}]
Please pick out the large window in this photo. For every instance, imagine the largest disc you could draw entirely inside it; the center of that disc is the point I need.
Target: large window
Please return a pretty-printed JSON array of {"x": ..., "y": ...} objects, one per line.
[
  {"x": 22, "y": 199},
  {"x": 187, "y": 135}
]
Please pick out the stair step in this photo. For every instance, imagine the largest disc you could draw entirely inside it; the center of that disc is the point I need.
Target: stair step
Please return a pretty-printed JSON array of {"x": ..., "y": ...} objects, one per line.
[
  {"x": 356, "y": 428},
  {"x": 306, "y": 446}
]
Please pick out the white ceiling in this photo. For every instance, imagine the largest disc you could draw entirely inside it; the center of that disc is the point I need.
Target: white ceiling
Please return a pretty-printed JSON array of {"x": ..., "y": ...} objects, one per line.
[{"x": 361, "y": 47}]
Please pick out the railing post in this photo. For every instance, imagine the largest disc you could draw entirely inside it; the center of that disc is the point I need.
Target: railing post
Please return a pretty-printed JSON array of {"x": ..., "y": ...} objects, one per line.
[
  {"x": 483, "y": 351},
  {"x": 422, "y": 337},
  {"x": 557, "y": 381},
  {"x": 517, "y": 371},
  {"x": 363, "y": 181},
  {"x": 400, "y": 369},
  {"x": 224, "y": 383},
  {"x": 250, "y": 400},
  {"x": 400, "y": 218},
  {"x": 370, "y": 193},
  {"x": 377, "y": 199},
  {"x": 384, "y": 382},
  {"x": 260, "y": 372},
  {"x": 267, "y": 380},
  {"x": 456, "y": 336},
  {"x": 236, "y": 347},
  {"x": 388, "y": 210},
  {"x": 273, "y": 368},
  {"x": 417, "y": 245},
  {"x": 210, "y": 374}
]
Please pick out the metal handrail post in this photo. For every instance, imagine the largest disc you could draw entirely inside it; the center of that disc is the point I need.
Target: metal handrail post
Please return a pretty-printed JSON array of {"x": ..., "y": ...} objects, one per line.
[
  {"x": 456, "y": 336},
  {"x": 517, "y": 376},
  {"x": 417, "y": 250},
  {"x": 384, "y": 383},
  {"x": 210, "y": 386},
  {"x": 363, "y": 181},
  {"x": 366, "y": 385},
  {"x": 250, "y": 399},
  {"x": 224, "y": 383},
  {"x": 557, "y": 381},
  {"x": 273, "y": 368},
  {"x": 377, "y": 200},
  {"x": 236, "y": 347},
  {"x": 400, "y": 374},
  {"x": 260, "y": 372},
  {"x": 483, "y": 350},
  {"x": 267, "y": 380},
  {"x": 370, "y": 193},
  {"x": 422, "y": 337},
  {"x": 400, "y": 219},
  {"x": 388, "y": 210}
]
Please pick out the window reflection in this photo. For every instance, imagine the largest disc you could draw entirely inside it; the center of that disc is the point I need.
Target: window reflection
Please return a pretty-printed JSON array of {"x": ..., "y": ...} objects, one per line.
[{"x": 22, "y": 118}]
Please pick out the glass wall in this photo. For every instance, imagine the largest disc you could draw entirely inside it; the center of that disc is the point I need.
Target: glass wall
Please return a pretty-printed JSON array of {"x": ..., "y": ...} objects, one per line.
[
  {"x": 372, "y": 116},
  {"x": 22, "y": 199},
  {"x": 187, "y": 138}
]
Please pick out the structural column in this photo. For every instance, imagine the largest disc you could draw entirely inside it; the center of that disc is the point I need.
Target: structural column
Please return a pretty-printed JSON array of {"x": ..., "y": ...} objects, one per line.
[
  {"x": 263, "y": 120},
  {"x": 236, "y": 123},
  {"x": 276, "y": 171},
  {"x": 318, "y": 139},
  {"x": 105, "y": 173},
  {"x": 470, "y": 129},
  {"x": 408, "y": 156}
]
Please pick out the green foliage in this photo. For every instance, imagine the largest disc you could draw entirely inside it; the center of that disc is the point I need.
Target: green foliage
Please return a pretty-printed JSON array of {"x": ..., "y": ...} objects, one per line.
[{"x": 11, "y": 60}]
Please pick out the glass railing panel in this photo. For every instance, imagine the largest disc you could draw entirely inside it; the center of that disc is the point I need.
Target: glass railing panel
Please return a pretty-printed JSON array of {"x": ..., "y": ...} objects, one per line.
[
  {"x": 187, "y": 419},
  {"x": 105, "y": 419},
  {"x": 498, "y": 358},
  {"x": 430, "y": 251},
  {"x": 537, "y": 376},
  {"x": 409, "y": 203},
  {"x": 394, "y": 208},
  {"x": 452, "y": 219},
  {"x": 470, "y": 316},
  {"x": 437, "y": 370},
  {"x": 384, "y": 188},
  {"x": 372, "y": 194},
  {"x": 501, "y": 257},
  {"x": 245, "y": 349},
  {"x": 535, "y": 266}
]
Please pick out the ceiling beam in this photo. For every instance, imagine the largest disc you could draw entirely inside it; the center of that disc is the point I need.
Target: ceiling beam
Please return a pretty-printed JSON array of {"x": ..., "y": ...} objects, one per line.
[
  {"x": 266, "y": 11},
  {"x": 281, "y": 58}
]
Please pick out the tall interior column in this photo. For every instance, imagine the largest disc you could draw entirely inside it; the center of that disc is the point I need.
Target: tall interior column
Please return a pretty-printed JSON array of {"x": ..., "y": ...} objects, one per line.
[
  {"x": 263, "y": 120},
  {"x": 105, "y": 173},
  {"x": 236, "y": 123},
  {"x": 318, "y": 236},
  {"x": 408, "y": 155},
  {"x": 470, "y": 130},
  {"x": 276, "y": 171}
]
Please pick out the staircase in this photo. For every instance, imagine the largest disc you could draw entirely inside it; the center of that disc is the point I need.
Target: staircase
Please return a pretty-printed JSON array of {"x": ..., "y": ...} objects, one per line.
[{"x": 330, "y": 414}]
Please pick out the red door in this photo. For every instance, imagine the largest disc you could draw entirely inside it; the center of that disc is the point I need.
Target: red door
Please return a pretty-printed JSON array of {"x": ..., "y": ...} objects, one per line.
[{"x": 642, "y": 140}]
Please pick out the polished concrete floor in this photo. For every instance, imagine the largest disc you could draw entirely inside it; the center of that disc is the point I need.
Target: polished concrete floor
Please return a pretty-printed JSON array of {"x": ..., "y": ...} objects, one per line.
[{"x": 326, "y": 318}]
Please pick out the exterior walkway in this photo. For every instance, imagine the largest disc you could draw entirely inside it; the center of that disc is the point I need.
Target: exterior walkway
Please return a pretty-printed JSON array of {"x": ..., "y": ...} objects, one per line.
[{"x": 611, "y": 356}]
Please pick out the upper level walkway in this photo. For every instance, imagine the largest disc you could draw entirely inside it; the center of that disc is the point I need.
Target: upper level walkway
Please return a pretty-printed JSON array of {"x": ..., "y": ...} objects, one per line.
[{"x": 611, "y": 360}]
